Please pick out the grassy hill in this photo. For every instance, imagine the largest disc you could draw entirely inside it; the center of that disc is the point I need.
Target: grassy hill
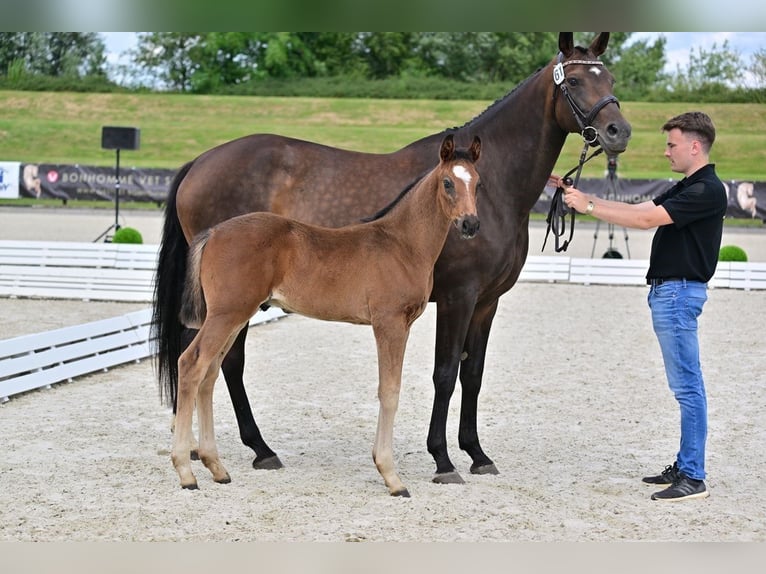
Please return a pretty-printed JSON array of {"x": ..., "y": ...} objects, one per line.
[{"x": 44, "y": 127}]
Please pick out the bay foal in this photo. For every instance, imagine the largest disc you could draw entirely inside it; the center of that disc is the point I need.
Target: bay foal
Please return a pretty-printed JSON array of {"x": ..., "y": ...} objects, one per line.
[{"x": 377, "y": 273}]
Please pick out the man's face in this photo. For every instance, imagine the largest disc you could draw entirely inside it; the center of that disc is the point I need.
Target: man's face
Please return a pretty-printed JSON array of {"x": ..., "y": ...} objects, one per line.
[{"x": 679, "y": 150}]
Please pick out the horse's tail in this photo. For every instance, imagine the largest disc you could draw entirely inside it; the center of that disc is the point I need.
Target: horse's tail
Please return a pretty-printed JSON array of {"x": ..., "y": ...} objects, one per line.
[
  {"x": 193, "y": 307},
  {"x": 168, "y": 290}
]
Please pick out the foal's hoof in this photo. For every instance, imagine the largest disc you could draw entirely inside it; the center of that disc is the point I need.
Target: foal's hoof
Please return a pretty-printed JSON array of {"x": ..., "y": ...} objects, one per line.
[
  {"x": 225, "y": 480},
  {"x": 485, "y": 469},
  {"x": 404, "y": 493},
  {"x": 270, "y": 463},
  {"x": 194, "y": 454},
  {"x": 448, "y": 478},
  {"x": 192, "y": 486}
]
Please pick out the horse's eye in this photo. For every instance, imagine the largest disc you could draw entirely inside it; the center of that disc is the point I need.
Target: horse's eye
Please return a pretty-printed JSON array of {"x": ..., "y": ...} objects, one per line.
[
  {"x": 572, "y": 81},
  {"x": 449, "y": 186}
]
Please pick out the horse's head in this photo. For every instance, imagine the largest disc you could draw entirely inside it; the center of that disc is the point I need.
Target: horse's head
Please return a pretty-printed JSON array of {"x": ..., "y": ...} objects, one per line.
[
  {"x": 582, "y": 94},
  {"x": 458, "y": 179}
]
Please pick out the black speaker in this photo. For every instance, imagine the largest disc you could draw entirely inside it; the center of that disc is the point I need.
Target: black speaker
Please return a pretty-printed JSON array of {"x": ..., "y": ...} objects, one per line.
[{"x": 120, "y": 138}]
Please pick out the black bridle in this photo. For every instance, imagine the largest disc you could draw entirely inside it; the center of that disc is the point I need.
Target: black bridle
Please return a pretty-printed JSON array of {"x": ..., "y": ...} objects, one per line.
[{"x": 558, "y": 211}]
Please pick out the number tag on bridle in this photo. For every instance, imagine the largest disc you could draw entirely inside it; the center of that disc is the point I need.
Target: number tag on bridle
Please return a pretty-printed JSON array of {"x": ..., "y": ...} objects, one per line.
[{"x": 558, "y": 74}]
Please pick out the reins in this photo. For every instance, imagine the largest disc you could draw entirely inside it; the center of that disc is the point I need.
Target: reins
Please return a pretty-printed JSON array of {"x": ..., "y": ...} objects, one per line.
[{"x": 558, "y": 210}]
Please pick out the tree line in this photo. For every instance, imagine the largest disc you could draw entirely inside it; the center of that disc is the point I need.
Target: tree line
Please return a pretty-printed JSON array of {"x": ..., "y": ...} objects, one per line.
[{"x": 395, "y": 64}]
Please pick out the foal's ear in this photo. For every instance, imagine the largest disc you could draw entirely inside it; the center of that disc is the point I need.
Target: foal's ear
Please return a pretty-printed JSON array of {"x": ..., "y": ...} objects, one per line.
[
  {"x": 447, "y": 150},
  {"x": 475, "y": 149},
  {"x": 598, "y": 45}
]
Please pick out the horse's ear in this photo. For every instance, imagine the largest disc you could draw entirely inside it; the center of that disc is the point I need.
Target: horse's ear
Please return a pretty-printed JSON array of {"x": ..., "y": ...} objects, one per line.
[
  {"x": 598, "y": 45},
  {"x": 566, "y": 43},
  {"x": 475, "y": 149},
  {"x": 448, "y": 148}
]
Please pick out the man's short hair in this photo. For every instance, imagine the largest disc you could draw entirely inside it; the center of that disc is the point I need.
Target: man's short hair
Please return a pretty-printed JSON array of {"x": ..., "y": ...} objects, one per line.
[{"x": 698, "y": 124}]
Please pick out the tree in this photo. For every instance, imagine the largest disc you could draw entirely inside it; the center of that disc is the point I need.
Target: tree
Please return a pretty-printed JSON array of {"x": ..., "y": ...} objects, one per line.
[
  {"x": 757, "y": 68},
  {"x": 53, "y": 53},
  {"x": 719, "y": 67},
  {"x": 638, "y": 68},
  {"x": 166, "y": 58},
  {"x": 385, "y": 53}
]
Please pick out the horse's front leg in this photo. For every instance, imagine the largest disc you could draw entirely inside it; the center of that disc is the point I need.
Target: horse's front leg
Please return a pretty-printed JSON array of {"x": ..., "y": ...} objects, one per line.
[
  {"x": 471, "y": 372},
  {"x": 452, "y": 319},
  {"x": 391, "y": 341},
  {"x": 233, "y": 367}
]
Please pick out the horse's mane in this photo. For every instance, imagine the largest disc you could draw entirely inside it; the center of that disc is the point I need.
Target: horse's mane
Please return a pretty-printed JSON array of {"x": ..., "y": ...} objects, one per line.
[
  {"x": 383, "y": 211},
  {"x": 459, "y": 154},
  {"x": 500, "y": 100}
]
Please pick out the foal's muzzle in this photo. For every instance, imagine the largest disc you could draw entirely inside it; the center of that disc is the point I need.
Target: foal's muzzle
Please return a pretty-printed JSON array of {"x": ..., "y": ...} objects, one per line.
[{"x": 468, "y": 226}]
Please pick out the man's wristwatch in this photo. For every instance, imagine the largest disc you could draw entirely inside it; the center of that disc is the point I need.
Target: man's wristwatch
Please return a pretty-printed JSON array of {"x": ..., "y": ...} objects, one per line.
[{"x": 590, "y": 207}]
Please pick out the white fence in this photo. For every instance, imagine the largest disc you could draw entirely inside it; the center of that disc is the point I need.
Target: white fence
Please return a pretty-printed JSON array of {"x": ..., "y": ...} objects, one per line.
[{"x": 122, "y": 272}]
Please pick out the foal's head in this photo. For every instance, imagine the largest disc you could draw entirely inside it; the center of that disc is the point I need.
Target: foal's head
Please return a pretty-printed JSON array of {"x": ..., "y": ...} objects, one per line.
[{"x": 458, "y": 180}]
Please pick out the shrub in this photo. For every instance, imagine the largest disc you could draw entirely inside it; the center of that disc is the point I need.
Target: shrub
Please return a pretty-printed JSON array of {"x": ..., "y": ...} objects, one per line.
[
  {"x": 127, "y": 235},
  {"x": 732, "y": 253}
]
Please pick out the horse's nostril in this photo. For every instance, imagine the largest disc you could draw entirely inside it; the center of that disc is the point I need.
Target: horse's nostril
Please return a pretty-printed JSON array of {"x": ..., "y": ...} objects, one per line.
[{"x": 470, "y": 227}]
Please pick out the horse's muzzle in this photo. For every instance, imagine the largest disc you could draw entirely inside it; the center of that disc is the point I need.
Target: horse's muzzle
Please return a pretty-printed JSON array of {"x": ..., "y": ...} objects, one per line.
[{"x": 468, "y": 226}]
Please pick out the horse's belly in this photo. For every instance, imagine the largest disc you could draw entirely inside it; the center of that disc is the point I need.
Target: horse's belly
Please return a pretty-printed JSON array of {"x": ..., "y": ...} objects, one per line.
[{"x": 319, "y": 307}]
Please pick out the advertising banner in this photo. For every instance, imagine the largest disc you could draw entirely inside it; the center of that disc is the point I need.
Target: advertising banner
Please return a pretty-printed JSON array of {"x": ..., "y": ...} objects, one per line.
[
  {"x": 67, "y": 182},
  {"x": 9, "y": 179}
]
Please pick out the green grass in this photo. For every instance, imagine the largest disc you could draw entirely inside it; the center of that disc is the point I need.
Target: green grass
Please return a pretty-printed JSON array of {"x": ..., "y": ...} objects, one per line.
[{"x": 46, "y": 127}]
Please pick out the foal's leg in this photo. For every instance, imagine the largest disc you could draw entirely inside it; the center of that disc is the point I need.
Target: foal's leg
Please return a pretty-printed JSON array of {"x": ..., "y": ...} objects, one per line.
[
  {"x": 187, "y": 336},
  {"x": 391, "y": 341},
  {"x": 208, "y": 452},
  {"x": 233, "y": 367},
  {"x": 198, "y": 369}
]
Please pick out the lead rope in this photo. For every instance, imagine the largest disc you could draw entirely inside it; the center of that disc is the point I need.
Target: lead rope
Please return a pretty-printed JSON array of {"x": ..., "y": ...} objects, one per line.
[{"x": 558, "y": 211}]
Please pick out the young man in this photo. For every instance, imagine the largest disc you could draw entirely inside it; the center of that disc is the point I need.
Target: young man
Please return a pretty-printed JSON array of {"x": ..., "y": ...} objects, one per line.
[{"x": 689, "y": 221}]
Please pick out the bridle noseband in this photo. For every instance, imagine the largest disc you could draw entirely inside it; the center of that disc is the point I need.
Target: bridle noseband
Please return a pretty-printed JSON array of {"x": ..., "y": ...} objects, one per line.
[{"x": 558, "y": 210}]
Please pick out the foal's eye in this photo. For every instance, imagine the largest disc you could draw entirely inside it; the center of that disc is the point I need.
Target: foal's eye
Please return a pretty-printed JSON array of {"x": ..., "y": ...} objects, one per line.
[{"x": 449, "y": 186}]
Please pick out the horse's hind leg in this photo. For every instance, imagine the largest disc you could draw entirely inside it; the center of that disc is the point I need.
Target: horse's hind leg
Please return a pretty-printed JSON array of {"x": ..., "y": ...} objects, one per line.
[
  {"x": 208, "y": 452},
  {"x": 233, "y": 367},
  {"x": 198, "y": 369},
  {"x": 187, "y": 336}
]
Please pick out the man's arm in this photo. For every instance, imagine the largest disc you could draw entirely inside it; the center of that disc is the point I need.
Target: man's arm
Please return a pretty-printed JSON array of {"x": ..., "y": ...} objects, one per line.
[{"x": 644, "y": 215}]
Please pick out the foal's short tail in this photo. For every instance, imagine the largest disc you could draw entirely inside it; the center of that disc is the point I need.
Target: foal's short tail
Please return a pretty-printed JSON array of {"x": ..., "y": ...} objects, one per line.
[
  {"x": 193, "y": 308},
  {"x": 168, "y": 288}
]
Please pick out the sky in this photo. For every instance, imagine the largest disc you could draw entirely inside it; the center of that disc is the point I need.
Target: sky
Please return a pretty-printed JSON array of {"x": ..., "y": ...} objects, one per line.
[{"x": 677, "y": 48}]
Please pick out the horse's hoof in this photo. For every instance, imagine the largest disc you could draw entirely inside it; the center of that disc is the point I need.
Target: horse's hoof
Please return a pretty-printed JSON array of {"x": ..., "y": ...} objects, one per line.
[
  {"x": 270, "y": 463},
  {"x": 448, "y": 478},
  {"x": 226, "y": 480},
  {"x": 485, "y": 469},
  {"x": 404, "y": 493},
  {"x": 194, "y": 455},
  {"x": 192, "y": 486}
]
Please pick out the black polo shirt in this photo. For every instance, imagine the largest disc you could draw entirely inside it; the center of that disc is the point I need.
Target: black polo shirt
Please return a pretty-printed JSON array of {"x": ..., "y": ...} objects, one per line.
[{"x": 688, "y": 248}]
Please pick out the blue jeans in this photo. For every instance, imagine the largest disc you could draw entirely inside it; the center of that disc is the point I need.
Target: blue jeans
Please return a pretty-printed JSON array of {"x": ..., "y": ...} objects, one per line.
[{"x": 675, "y": 306}]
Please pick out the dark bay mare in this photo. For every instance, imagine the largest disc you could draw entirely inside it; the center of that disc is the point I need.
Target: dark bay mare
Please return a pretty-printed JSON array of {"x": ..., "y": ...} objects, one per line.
[
  {"x": 523, "y": 134},
  {"x": 377, "y": 273}
]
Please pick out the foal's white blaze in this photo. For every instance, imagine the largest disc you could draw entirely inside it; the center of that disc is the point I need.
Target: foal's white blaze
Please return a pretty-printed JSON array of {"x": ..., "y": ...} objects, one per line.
[
  {"x": 595, "y": 70},
  {"x": 462, "y": 173}
]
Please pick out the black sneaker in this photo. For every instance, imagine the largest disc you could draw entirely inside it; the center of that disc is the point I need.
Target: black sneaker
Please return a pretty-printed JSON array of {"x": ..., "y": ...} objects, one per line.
[
  {"x": 667, "y": 476},
  {"x": 683, "y": 488}
]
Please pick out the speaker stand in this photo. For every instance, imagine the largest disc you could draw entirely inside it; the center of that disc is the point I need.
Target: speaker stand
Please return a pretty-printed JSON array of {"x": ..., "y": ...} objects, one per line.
[{"x": 116, "y": 224}]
